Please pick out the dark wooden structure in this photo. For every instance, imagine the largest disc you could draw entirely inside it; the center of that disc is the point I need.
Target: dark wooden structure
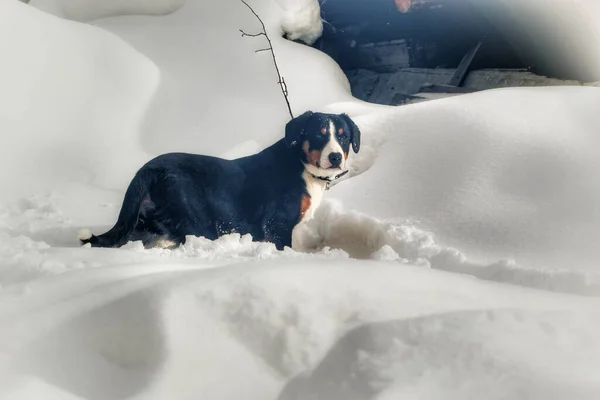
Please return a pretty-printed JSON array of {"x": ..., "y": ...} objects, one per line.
[
  {"x": 435, "y": 33},
  {"x": 397, "y": 51}
]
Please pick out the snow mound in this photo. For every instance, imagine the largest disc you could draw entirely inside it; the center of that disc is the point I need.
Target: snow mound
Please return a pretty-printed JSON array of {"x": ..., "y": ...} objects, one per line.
[
  {"x": 365, "y": 237},
  {"x": 301, "y": 20},
  {"x": 454, "y": 356},
  {"x": 86, "y": 10},
  {"x": 365, "y": 328},
  {"x": 507, "y": 173},
  {"x": 63, "y": 108}
]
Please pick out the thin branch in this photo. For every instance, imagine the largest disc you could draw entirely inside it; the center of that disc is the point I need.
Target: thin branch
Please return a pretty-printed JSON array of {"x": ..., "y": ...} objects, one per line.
[
  {"x": 252, "y": 34},
  {"x": 259, "y": 50},
  {"x": 281, "y": 81},
  {"x": 284, "y": 85}
]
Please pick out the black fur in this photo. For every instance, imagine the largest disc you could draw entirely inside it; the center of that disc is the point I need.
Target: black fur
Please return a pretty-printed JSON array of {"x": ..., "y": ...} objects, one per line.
[
  {"x": 294, "y": 129},
  {"x": 179, "y": 194},
  {"x": 354, "y": 133}
]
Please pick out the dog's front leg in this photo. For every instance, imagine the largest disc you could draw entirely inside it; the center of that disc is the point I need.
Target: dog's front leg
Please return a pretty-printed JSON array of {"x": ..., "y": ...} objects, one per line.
[
  {"x": 278, "y": 234},
  {"x": 280, "y": 241}
]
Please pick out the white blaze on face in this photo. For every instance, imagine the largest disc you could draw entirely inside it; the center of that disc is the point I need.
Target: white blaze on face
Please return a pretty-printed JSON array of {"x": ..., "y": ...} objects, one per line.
[{"x": 333, "y": 146}]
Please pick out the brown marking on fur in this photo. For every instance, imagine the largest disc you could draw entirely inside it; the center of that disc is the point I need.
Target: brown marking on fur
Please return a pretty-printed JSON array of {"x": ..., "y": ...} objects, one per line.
[
  {"x": 345, "y": 155},
  {"x": 304, "y": 206},
  {"x": 314, "y": 156},
  {"x": 341, "y": 131},
  {"x": 323, "y": 131}
]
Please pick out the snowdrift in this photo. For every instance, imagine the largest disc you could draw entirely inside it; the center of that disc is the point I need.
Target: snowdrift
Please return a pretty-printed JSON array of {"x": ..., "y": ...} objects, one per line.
[
  {"x": 332, "y": 329},
  {"x": 496, "y": 186},
  {"x": 70, "y": 93},
  {"x": 503, "y": 176},
  {"x": 86, "y": 10}
]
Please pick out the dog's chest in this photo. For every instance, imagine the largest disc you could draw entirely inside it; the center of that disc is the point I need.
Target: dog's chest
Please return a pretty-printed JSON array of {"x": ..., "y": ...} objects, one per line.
[{"x": 315, "y": 189}]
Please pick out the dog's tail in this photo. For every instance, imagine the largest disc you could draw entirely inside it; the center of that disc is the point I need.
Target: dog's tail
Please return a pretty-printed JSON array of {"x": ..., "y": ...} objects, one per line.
[{"x": 119, "y": 234}]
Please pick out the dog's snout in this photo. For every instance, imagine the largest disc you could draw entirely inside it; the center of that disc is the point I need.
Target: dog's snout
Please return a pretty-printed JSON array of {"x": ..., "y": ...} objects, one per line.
[{"x": 335, "y": 159}]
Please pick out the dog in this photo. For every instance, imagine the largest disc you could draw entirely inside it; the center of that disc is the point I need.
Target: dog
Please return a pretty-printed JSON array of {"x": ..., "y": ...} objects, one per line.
[{"x": 265, "y": 194}]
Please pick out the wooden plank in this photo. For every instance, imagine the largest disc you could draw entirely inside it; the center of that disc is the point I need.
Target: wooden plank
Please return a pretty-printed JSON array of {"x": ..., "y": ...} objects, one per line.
[
  {"x": 401, "y": 99},
  {"x": 436, "y": 88},
  {"x": 385, "y": 57},
  {"x": 465, "y": 65},
  {"x": 363, "y": 83},
  {"x": 406, "y": 82}
]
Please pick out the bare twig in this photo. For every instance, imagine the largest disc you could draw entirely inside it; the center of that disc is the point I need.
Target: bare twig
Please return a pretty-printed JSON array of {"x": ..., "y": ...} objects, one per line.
[
  {"x": 281, "y": 81},
  {"x": 252, "y": 34}
]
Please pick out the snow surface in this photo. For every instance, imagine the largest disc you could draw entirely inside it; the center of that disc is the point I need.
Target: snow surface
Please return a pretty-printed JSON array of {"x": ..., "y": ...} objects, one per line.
[
  {"x": 85, "y": 10},
  {"x": 413, "y": 280}
]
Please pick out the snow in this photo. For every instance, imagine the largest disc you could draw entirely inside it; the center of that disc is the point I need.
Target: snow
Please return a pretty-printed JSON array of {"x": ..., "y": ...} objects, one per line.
[
  {"x": 53, "y": 94},
  {"x": 86, "y": 10},
  {"x": 456, "y": 261},
  {"x": 514, "y": 173},
  {"x": 301, "y": 20},
  {"x": 150, "y": 330}
]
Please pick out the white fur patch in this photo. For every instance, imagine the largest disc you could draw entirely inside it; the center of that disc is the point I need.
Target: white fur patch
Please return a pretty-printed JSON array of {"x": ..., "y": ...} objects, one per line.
[
  {"x": 315, "y": 188},
  {"x": 333, "y": 146},
  {"x": 84, "y": 234}
]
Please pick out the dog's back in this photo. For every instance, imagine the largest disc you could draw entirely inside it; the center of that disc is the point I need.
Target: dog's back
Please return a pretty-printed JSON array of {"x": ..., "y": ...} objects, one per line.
[{"x": 180, "y": 194}]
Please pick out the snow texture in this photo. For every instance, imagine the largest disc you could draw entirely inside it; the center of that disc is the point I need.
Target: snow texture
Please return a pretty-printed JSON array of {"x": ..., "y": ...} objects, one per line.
[
  {"x": 301, "y": 20},
  {"x": 86, "y": 10},
  {"x": 457, "y": 260}
]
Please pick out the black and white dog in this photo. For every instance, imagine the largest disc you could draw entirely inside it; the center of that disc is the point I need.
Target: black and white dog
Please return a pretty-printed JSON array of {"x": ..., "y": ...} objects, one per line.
[{"x": 266, "y": 194}]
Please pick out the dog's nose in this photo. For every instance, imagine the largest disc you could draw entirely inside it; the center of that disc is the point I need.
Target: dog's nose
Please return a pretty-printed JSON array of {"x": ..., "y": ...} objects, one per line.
[{"x": 335, "y": 159}]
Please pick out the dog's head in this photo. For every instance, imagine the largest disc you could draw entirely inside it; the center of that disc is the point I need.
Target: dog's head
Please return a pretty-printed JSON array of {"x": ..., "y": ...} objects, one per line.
[{"x": 324, "y": 139}]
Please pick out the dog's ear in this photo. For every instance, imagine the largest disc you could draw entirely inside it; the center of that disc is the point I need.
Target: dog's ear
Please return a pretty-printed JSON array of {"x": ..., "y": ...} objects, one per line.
[
  {"x": 354, "y": 133},
  {"x": 295, "y": 128}
]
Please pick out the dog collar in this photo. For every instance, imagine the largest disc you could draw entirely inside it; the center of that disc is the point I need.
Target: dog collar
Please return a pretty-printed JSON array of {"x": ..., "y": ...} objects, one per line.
[{"x": 328, "y": 179}]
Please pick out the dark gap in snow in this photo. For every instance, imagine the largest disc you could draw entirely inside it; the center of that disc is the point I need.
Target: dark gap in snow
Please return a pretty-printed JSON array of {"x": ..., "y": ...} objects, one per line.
[{"x": 395, "y": 52}]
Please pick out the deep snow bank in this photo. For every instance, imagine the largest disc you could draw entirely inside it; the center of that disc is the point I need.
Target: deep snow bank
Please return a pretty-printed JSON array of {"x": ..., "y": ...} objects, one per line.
[
  {"x": 301, "y": 20},
  {"x": 352, "y": 329},
  {"x": 405, "y": 242},
  {"x": 85, "y": 10},
  {"x": 71, "y": 95},
  {"x": 221, "y": 88},
  {"x": 503, "y": 179},
  {"x": 508, "y": 173}
]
